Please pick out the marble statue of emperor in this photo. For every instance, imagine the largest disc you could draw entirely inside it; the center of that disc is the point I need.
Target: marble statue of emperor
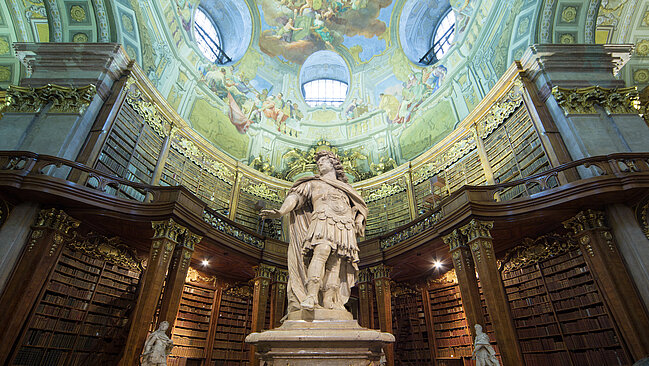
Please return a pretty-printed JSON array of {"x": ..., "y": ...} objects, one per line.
[{"x": 326, "y": 214}]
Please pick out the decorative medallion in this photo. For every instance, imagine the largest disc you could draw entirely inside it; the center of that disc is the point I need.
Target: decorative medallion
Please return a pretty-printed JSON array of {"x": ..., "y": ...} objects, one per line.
[
  {"x": 77, "y": 13},
  {"x": 80, "y": 38},
  {"x": 5, "y": 73},
  {"x": 641, "y": 76},
  {"x": 567, "y": 38},
  {"x": 642, "y": 48},
  {"x": 127, "y": 22},
  {"x": 569, "y": 14},
  {"x": 4, "y": 46}
]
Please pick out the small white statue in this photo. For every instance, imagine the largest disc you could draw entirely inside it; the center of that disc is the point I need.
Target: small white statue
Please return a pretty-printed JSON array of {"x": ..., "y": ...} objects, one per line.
[
  {"x": 483, "y": 353},
  {"x": 157, "y": 347}
]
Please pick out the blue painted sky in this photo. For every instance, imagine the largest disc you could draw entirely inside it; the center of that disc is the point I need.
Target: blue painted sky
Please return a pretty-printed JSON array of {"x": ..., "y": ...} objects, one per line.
[{"x": 371, "y": 47}]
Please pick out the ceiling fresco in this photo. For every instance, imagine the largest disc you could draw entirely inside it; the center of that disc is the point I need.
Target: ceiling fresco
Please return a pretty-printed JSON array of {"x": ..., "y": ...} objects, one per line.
[{"x": 253, "y": 109}]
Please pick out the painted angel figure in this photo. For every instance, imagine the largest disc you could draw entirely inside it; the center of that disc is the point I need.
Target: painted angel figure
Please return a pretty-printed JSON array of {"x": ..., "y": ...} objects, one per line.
[
  {"x": 157, "y": 347},
  {"x": 326, "y": 214},
  {"x": 483, "y": 353}
]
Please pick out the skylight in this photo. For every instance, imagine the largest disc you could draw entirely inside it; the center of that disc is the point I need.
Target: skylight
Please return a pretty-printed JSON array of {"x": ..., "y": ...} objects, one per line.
[
  {"x": 444, "y": 34},
  {"x": 208, "y": 39},
  {"x": 324, "y": 92}
]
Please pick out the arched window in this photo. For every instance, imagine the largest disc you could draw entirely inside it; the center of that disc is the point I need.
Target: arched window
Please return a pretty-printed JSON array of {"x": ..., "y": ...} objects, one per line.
[
  {"x": 444, "y": 34},
  {"x": 208, "y": 38},
  {"x": 324, "y": 91}
]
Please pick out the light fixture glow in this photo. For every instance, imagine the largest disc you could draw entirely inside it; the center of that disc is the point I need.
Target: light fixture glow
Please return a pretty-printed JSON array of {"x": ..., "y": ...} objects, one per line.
[
  {"x": 205, "y": 262},
  {"x": 437, "y": 264}
]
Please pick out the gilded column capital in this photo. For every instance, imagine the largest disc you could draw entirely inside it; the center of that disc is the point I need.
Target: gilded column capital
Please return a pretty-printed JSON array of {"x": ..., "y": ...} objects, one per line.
[
  {"x": 381, "y": 271},
  {"x": 454, "y": 240},
  {"x": 189, "y": 240},
  {"x": 281, "y": 275},
  {"x": 586, "y": 220},
  {"x": 167, "y": 229},
  {"x": 583, "y": 100},
  {"x": 364, "y": 275},
  {"x": 64, "y": 100},
  {"x": 264, "y": 270},
  {"x": 56, "y": 219},
  {"x": 477, "y": 229}
]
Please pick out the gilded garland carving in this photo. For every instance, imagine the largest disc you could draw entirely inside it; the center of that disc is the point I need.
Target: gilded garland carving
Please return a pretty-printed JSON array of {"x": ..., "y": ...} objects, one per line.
[
  {"x": 442, "y": 161},
  {"x": 381, "y": 271},
  {"x": 501, "y": 110},
  {"x": 189, "y": 240},
  {"x": 449, "y": 277},
  {"x": 111, "y": 250},
  {"x": 217, "y": 223},
  {"x": 642, "y": 215},
  {"x": 586, "y": 220},
  {"x": 264, "y": 270},
  {"x": 532, "y": 251},
  {"x": 188, "y": 149},
  {"x": 583, "y": 100},
  {"x": 384, "y": 191},
  {"x": 148, "y": 112},
  {"x": 402, "y": 289},
  {"x": 63, "y": 99},
  {"x": 56, "y": 220},
  {"x": 240, "y": 290},
  {"x": 260, "y": 190},
  {"x": 195, "y": 276},
  {"x": 167, "y": 229}
]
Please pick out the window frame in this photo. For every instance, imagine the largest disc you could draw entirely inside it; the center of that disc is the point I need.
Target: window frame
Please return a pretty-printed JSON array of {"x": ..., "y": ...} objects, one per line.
[
  {"x": 327, "y": 100},
  {"x": 206, "y": 42}
]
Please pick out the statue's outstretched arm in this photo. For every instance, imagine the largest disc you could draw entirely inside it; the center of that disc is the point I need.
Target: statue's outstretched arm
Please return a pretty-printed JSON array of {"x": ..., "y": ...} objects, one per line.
[{"x": 289, "y": 205}]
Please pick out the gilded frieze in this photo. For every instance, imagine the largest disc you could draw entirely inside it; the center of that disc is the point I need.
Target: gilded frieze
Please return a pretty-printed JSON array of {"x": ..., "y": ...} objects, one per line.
[
  {"x": 240, "y": 290},
  {"x": 442, "y": 161},
  {"x": 385, "y": 190},
  {"x": 584, "y": 100},
  {"x": 300, "y": 161},
  {"x": 449, "y": 277},
  {"x": 535, "y": 250},
  {"x": 501, "y": 110},
  {"x": 63, "y": 99},
  {"x": 147, "y": 111},
  {"x": 188, "y": 149},
  {"x": 260, "y": 190},
  {"x": 111, "y": 250},
  {"x": 195, "y": 276},
  {"x": 219, "y": 224}
]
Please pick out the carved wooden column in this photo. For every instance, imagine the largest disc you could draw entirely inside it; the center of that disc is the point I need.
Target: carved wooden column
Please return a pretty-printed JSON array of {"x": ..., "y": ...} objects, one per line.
[
  {"x": 278, "y": 297},
  {"x": 261, "y": 293},
  {"x": 381, "y": 275},
  {"x": 481, "y": 243},
  {"x": 40, "y": 255},
  {"x": 366, "y": 299},
  {"x": 430, "y": 325},
  {"x": 220, "y": 286},
  {"x": 176, "y": 276},
  {"x": 164, "y": 241},
  {"x": 602, "y": 255},
  {"x": 465, "y": 271}
]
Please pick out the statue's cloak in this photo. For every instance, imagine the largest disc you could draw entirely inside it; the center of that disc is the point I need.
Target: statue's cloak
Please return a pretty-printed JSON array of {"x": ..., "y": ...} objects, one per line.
[{"x": 300, "y": 219}]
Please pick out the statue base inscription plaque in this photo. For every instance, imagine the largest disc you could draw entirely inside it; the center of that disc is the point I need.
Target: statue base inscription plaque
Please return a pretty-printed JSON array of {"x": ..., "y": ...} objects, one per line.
[{"x": 320, "y": 337}]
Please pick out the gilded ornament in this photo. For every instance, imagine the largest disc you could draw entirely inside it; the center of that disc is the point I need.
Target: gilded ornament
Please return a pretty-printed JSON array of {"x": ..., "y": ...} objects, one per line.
[
  {"x": 264, "y": 270},
  {"x": 299, "y": 161},
  {"x": 149, "y": 113},
  {"x": 584, "y": 100},
  {"x": 80, "y": 38},
  {"x": 384, "y": 191},
  {"x": 56, "y": 220},
  {"x": 567, "y": 38},
  {"x": 532, "y": 251},
  {"x": 190, "y": 239},
  {"x": 449, "y": 276},
  {"x": 381, "y": 271},
  {"x": 454, "y": 240},
  {"x": 222, "y": 226},
  {"x": 188, "y": 149},
  {"x": 167, "y": 229},
  {"x": 364, "y": 275},
  {"x": 448, "y": 157},
  {"x": 642, "y": 215},
  {"x": 642, "y": 48},
  {"x": 194, "y": 276},
  {"x": 64, "y": 100},
  {"x": 585, "y": 220},
  {"x": 77, "y": 13},
  {"x": 411, "y": 231},
  {"x": 584, "y": 239},
  {"x": 261, "y": 190},
  {"x": 5, "y": 73},
  {"x": 501, "y": 110},
  {"x": 240, "y": 290},
  {"x": 4, "y": 46},
  {"x": 477, "y": 229},
  {"x": 111, "y": 250},
  {"x": 569, "y": 14},
  {"x": 641, "y": 76},
  {"x": 645, "y": 19}
]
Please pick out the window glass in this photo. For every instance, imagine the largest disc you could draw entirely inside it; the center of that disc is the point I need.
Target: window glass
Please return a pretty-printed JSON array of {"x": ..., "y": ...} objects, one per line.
[
  {"x": 444, "y": 34},
  {"x": 324, "y": 91},
  {"x": 206, "y": 35}
]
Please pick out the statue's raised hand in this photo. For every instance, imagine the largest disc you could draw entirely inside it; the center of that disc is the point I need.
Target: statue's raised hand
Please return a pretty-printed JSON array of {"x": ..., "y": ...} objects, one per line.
[{"x": 270, "y": 214}]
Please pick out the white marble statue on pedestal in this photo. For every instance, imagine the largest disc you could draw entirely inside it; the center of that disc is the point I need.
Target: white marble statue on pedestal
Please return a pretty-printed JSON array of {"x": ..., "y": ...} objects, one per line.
[
  {"x": 326, "y": 214},
  {"x": 157, "y": 347},
  {"x": 483, "y": 352}
]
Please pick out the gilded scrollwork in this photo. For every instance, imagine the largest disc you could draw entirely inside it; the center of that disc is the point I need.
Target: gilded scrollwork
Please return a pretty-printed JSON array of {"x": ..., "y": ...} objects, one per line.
[
  {"x": 260, "y": 190},
  {"x": 411, "y": 231},
  {"x": 264, "y": 270},
  {"x": 454, "y": 240},
  {"x": 447, "y": 158},
  {"x": 586, "y": 220},
  {"x": 501, "y": 110},
  {"x": 299, "y": 161},
  {"x": 111, "y": 250},
  {"x": 449, "y": 277},
  {"x": 532, "y": 251},
  {"x": 195, "y": 276},
  {"x": 189, "y": 149},
  {"x": 149, "y": 113},
  {"x": 584, "y": 100},
  {"x": 381, "y": 271},
  {"x": 240, "y": 290},
  {"x": 385, "y": 190},
  {"x": 642, "y": 215},
  {"x": 63, "y": 99},
  {"x": 56, "y": 219},
  {"x": 398, "y": 289},
  {"x": 167, "y": 229},
  {"x": 364, "y": 275}
]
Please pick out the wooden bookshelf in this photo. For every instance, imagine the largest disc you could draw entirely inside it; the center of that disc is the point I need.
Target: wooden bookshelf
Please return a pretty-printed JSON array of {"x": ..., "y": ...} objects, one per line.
[
  {"x": 131, "y": 151},
  {"x": 487, "y": 327},
  {"x": 409, "y": 326},
  {"x": 387, "y": 213},
  {"x": 560, "y": 315},
  {"x": 453, "y": 343},
  {"x": 82, "y": 315},
  {"x": 233, "y": 324},
  {"x": 192, "y": 324}
]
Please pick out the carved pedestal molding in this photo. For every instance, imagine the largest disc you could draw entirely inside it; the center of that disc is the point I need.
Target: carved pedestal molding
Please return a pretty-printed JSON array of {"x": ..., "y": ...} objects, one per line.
[
  {"x": 479, "y": 240},
  {"x": 597, "y": 242},
  {"x": 166, "y": 236},
  {"x": 51, "y": 229},
  {"x": 466, "y": 278}
]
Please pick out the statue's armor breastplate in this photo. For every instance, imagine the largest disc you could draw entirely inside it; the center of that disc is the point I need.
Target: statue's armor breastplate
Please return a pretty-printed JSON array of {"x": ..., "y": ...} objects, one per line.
[{"x": 332, "y": 203}]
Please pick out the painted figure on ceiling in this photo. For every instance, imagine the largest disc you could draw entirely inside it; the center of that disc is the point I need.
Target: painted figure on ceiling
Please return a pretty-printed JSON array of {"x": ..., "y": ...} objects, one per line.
[{"x": 326, "y": 214}]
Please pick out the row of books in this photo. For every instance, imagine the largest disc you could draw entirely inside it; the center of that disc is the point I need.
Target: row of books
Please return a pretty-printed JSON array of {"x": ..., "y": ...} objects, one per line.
[
  {"x": 80, "y": 257},
  {"x": 56, "y": 311},
  {"x": 561, "y": 258},
  {"x": 185, "y": 315},
  {"x": 607, "y": 357},
  {"x": 199, "y": 291},
  {"x": 548, "y": 330},
  {"x": 115, "y": 292},
  {"x": 544, "y": 359},
  {"x": 583, "y": 300},
  {"x": 445, "y": 318},
  {"x": 112, "y": 301},
  {"x": 559, "y": 267},
  {"x": 189, "y": 342},
  {"x": 133, "y": 276},
  {"x": 189, "y": 352},
  {"x": 600, "y": 322},
  {"x": 456, "y": 308},
  {"x": 199, "y": 299},
  {"x": 185, "y": 306},
  {"x": 76, "y": 273},
  {"x": 529, "y": 301},
  {"x": 69, "y": 290},
  {"x": 542, "y": 344},
  {"x": 190, "y": 324},
  {"x": 532, "y": 310},
  {"x": 116, "y": 284},
  {"x": 452, "y": 342},
  {"x": 462, "y": 351},
  {"x": 573, "y": 291},
  {"x": 68, "y": 280},
  {"x": 605, "y": 338},
  {"x": 33, "y": 356},
  {"x": 581, "y": 313},
  {"x": 519, "y": 272},
  {"x": 57, "y": 299},
  {"x": 198, "y": 305},
  {"x": 450, "y": 325},
  {"x": 515, "y": 294},
  {"x": 524, "y": 286},
  {"x": 190, "y": 332},
  {"x": 570, "y": 274},
  {"x": 451, "y": 333},
  {"x": 62, "y": 340},
  {"x": 521, "y": 279}
]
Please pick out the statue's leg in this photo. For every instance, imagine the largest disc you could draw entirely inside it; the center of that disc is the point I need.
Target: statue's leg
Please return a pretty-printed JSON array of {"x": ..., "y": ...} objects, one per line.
[
  {"x": 315, "y": 273},
  {"x": 331, "y": 282}
]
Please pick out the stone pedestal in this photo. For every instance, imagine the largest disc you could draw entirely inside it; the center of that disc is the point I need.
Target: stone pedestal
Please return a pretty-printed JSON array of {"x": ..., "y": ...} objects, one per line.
[{"x": 320, "y": 337}]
